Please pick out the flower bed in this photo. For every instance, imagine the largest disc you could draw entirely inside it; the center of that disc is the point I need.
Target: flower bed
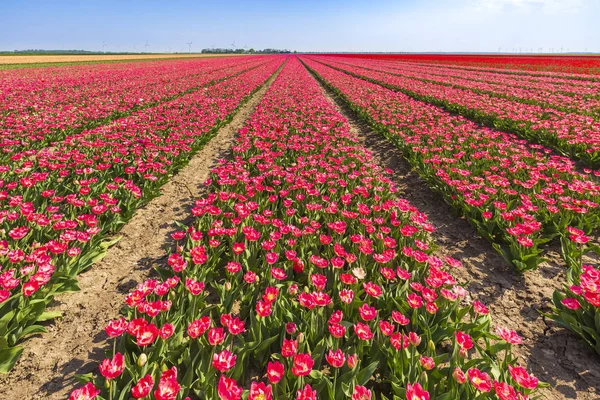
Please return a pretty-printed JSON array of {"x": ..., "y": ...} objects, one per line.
[
  {"x": 304, "y": 276},
  {"x": 573, "y": 134},
  {"x": 59, "y": 205},
  {"x": 32, "y": 116}
]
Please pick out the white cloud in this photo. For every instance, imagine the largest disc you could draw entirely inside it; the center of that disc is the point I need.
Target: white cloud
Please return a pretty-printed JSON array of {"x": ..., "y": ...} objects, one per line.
[{"x": 527, "y": 6}]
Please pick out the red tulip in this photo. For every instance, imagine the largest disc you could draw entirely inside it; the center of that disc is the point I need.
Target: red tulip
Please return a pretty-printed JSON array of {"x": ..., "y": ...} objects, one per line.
[
  {"x": 307, "y": 393},
  {"x": 143, "y": 387},
  {"x": 522, "y": 377},
  {"x": 361, "y": 393},
  {"x": 116, "y": 328},
  {"x": 504, "y": 391},
  {"x": 224, "y": 360},
  {"x": 260, "y": 391},
  {"x": 480, "y": 380},
  {"x": 275, "y": 371},
  {"x": 227, "y": 389},
  {"x": 336, "y": 358},
  {"x": 289, "y": 347},
  {"x": 111, "y": 369},
  {"x": 198, "y": 327},
  {"x": 168, "y": 387},
  {"x": 463, "y": 340},
  {"x": 216, "y": 336},
  {"x": 147, "y": 335},
  {"x": 363, "y": 331},
  {"x": 416, "y": 392},
  {"x": 302, "y": 365},
  {"x": 87, "y": 392}
]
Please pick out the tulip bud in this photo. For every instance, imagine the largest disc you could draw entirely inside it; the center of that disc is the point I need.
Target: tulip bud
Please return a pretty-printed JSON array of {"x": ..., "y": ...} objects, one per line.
[
  {"x": 431, "y": 346},
  {"x": 459, "y": 375},
  {"x": 352, "y": 361},
  {"x": 300, "y": 337},
  {"x": 290, "y": 328},
  {"x": 424, "y": 378},
  {"x": 414, "y": 339},
  {"x": 227, "y": 286},
  {"x": 142, "y": 360},
  {"x": 293, "y": 289},
  {"x": 463, "y": 353}
]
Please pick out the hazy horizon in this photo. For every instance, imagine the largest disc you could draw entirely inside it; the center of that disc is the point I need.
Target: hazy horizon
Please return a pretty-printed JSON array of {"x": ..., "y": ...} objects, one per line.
[{"x": 321, "y": 26}]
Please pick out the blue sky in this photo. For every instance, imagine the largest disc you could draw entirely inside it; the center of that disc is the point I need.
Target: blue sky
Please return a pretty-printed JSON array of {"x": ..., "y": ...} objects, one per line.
[{"x": 308, "y": 25}]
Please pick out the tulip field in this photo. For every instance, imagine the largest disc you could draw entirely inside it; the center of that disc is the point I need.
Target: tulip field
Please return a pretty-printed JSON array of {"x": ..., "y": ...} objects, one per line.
[{"x": 302, "y": 271}]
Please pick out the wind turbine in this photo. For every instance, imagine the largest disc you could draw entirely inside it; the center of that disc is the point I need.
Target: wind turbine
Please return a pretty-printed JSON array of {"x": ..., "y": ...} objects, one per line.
[
  {"x": 233, "y": 45},
  {"x": 103, "y": 46},
  {"x": 146, "y": 46},
  {"x": 189, "y": 47},
  {"x": 245, "y": 48}
]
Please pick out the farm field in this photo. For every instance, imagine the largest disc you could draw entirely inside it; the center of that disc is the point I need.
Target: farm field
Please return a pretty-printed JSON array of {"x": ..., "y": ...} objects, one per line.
[
  {"x": 331, "y": 226},
  {"x": 82, "y": 58},
  {"x": 513, "y": 63}
]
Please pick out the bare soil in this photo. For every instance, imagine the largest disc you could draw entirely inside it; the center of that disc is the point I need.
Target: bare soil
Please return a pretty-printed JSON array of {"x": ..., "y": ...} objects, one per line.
[
  {"x": 43, "y": 59},
  {"x": 550, "y": 352},
  {"x": 76, "y": 343}
]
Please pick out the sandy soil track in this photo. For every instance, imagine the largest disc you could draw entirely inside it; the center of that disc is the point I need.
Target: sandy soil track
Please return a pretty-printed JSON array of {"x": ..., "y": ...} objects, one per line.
[
  {"x": 76, "y": 343},
  {"x": 43, "y": 59}
]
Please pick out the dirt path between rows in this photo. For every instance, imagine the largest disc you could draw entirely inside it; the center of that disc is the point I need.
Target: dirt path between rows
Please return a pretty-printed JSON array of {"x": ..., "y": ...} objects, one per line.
[
  {"x": 551, "y": 353},
  {"x": 76, "y": 343}
]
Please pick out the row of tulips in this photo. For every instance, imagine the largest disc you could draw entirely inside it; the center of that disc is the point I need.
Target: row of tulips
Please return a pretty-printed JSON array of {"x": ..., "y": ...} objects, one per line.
[
  {"x": 31, "y": 119},
  {"x": 577, "y": 305},
  {"x": 58, "y": 206},
  {"x": 303, "y": 276},
  {"x": 22, "y": 82},
  {"x": 582, "y": 68},
  {"x": 514, "y": 193},
  {"x": 572, "y": 134},
  {"x": 517, "y": 195},
  {"x": 580, "y": 99},
  {"x": 556, "y": 81}
]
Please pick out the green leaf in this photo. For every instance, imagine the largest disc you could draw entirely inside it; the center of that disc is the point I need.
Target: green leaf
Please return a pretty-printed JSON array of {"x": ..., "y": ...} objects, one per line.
[
  {"x": 30, "y": 330},
  {"x": 366, "y": 373},
  {"x": 84, "y": 378},
  {"x": 109, "y": 243},
  {"x": 8, "y": 358},
  {"x": 49, "y": 315}
]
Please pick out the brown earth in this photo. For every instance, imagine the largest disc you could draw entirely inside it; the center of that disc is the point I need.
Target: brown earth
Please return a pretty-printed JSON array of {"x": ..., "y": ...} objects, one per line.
[
  {"x": 550, "y": 352},
  {"x": 76, "y": 343},
  {"x": 42, "y": 59}
]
